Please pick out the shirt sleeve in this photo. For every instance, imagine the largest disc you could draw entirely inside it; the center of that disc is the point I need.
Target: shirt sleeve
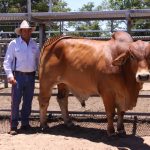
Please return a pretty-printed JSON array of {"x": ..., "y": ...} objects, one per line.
[{"x": 8, "y": 60}]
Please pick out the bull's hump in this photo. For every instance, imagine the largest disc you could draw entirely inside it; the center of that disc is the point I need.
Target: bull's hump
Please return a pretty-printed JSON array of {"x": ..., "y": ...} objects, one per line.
[{"x": 52, "y": 40}]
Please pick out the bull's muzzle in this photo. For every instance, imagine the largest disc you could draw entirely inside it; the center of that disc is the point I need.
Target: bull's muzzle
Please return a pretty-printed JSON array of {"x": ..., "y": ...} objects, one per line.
[{"x": 143, "y": 77}]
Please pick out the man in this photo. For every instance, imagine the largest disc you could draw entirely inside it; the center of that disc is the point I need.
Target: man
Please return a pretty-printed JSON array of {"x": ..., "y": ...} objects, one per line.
[{"x": 20, "y": 64}]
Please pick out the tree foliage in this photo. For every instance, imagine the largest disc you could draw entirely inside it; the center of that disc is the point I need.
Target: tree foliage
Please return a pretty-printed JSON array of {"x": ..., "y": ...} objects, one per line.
[
  {"x": 58, "y": 6},
  {"x": 132, "y": 4},
  {"x": 82, "y": 26},
  {"x": 12, "y": 6},
  {"x": 20, "y": 6},
  {"x": 129, "y": 4}
]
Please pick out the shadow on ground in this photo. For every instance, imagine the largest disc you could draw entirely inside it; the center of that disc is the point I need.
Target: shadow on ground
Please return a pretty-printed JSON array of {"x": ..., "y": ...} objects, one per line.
[
  {"x": 95, "y": 135},
  {"x": 83, "y": 129}
]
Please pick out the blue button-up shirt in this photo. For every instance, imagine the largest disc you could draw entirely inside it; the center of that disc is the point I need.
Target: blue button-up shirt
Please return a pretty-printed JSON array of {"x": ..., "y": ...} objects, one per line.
[{"x": 27, "y": 56}]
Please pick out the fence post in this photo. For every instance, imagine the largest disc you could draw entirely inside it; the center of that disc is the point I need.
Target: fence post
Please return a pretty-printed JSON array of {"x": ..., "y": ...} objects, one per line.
[
  {"x": 2, "y": 76},
  {"x": 0, "y": 62},
  {"x": 5, "y": 82},
  {"x": 134, "y": 125}
]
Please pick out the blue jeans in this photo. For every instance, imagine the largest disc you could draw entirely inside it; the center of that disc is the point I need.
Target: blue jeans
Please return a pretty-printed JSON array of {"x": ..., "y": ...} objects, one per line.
[{"x": 24, "y": 89}]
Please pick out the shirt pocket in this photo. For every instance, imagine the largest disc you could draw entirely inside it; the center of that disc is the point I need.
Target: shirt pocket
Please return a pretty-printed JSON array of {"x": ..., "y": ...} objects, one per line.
[{"x": 19, "y": 54}]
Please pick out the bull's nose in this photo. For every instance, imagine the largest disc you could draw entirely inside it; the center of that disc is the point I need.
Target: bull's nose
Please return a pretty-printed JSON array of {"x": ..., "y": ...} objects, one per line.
[{"x": 143, "y": 77}]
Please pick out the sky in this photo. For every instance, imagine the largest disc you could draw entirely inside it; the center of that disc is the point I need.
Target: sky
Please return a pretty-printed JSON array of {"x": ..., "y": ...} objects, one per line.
[{"x": 76, "y": 4}]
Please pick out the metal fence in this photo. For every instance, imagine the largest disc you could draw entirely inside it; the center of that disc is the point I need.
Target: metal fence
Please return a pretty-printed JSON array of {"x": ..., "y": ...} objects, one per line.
[
  {"x": 92, "y": 117},
  {"x": 3, "y": 78}
]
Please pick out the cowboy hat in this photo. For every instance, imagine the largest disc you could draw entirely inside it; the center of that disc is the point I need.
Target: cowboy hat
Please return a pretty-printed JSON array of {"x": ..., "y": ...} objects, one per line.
[{"x": 24, "y": 25}]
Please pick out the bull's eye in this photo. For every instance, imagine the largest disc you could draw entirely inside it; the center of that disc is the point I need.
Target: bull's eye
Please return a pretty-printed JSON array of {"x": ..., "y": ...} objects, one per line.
[
  {"x": 148, "y": 60},
  {"x": 132, "y": 56}
]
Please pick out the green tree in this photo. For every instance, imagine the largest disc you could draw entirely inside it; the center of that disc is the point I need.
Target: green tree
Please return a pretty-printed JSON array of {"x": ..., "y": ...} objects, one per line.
[
  {"x": 58, "y": 6},
  {"x": 132, "y": 4},
  {"x": 86, "y": 25},
  {"x": 20, "y": 6},
  {"x": 87, "y": 7},
  {"x": 12, "y": 6},
  {"x": 39, "y": 6},
  {"x": 129, "y": 4}
]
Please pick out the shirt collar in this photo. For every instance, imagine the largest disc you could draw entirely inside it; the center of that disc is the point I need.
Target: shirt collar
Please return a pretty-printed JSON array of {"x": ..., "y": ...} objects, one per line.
[{"x": 21, "y": 40}]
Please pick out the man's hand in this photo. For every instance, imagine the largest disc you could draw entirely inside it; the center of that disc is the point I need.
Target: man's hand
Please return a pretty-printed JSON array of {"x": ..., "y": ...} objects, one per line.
[{"x": 12, "y": 80}]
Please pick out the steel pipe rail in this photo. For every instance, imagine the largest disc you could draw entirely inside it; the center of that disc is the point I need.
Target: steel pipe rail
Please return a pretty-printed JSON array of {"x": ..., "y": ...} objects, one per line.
[
  {"x": 85, "y": 113},
  {"x": 71, "y": 95}
]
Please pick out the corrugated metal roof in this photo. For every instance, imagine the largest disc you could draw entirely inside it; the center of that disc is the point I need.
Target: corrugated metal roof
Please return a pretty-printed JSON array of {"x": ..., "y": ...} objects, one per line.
[
  {"x": 13, "y": 17},
  {"x": 74, "y": 16},
  {"x": 70, "y": 16}
]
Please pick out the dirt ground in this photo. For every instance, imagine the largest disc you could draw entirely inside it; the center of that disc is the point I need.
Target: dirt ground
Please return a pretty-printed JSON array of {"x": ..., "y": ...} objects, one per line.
[{"x": 86, "y": 134}]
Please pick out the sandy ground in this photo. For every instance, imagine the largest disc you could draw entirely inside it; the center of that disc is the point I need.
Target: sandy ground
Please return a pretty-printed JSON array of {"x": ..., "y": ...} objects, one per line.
[
  {"x": 79, "y": 137},
  {"x": 59, "y": 142}
]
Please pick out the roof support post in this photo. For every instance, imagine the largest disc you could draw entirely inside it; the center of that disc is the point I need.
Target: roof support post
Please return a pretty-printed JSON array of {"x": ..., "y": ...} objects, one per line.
[
  {"x": 50, "y": 5},
  {"x": 42, "y": 34},
  {"x": 128, "y": 18},
  {"x": 29, "y": 9}
]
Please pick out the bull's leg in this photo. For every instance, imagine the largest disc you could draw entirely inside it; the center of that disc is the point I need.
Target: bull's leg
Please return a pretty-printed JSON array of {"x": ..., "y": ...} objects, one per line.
[
  {"x": 120, "y": 125},
  {"x": 110, "y": 112},
  {"x": 110, "y": 126},
  {"x": 62, "y": 99},
  {"x": 44, "y": 97},
  {"x": 43, "y": 103}
]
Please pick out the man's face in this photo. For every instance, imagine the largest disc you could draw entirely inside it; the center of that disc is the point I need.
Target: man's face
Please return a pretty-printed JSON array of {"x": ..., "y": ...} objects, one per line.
[{"x": 26, "y": 33}]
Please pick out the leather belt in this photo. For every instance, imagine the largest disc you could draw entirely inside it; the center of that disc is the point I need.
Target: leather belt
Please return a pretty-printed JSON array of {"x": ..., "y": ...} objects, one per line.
[{"x": 24, "y": 73}]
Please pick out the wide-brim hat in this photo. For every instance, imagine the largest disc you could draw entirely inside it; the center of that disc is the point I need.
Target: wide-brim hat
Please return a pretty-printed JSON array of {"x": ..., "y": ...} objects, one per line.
[{"x": 24, "y": 25}]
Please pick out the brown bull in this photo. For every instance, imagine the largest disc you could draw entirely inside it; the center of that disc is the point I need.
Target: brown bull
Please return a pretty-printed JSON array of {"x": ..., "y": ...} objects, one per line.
[{"x": 114, "y": 69}]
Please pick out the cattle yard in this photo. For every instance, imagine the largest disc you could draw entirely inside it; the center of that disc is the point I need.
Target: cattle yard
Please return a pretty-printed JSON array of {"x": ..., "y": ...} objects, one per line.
[{"x": 91, "y": 120}]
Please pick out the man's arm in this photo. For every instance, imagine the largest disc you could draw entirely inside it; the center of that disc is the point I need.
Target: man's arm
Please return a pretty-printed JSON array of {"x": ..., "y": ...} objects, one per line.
[{"x": 8, "y": 61}]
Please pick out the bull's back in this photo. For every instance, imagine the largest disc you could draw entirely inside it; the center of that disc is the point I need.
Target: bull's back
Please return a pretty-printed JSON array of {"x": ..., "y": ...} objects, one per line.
[{"x": 81, "y": 54}]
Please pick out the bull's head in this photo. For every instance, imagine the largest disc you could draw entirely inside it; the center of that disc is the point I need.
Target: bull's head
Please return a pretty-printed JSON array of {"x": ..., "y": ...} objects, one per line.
[{"x": 139, "y": 55}]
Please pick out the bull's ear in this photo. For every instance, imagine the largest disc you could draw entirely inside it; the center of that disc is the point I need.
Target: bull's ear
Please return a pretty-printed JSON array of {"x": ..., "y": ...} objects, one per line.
[{"x": 121, "y": 59}]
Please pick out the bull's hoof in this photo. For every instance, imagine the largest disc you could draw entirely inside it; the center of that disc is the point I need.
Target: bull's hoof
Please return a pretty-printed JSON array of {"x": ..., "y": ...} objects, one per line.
[
  {"x": 69, "y": 124},
  {"x": 112, "y": 134},
  {"x": 121, "y": 133},
  {"x": 112, "y": 137},
  {"x": 44, "y": 128}
]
